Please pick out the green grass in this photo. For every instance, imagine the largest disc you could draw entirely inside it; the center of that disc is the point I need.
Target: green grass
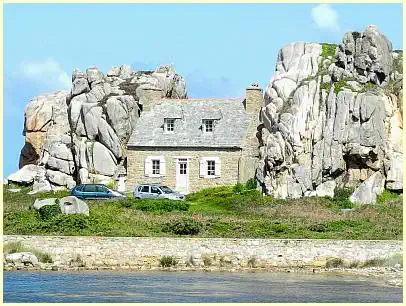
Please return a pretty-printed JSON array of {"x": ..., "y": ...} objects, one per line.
[{"x": 231, "y": 212}]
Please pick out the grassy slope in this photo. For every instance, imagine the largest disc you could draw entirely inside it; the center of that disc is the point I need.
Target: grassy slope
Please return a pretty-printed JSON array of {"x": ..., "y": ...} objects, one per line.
[{"x": 220, "y": 212}]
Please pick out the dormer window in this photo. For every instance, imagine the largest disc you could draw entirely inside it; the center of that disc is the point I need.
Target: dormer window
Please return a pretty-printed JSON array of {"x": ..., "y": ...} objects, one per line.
[
  {"x": 169, "y": 125},
  {"x": 208, "y": 125}
]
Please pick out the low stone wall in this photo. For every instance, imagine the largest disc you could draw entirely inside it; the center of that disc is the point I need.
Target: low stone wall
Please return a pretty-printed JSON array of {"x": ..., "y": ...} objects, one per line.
[{"x": 135, "y": 252}]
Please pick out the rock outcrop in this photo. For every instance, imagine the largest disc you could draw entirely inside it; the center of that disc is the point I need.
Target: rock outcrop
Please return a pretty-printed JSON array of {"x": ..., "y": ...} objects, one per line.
[
  {"x": 71, "y": 205},
  {"x": 333, "y": 118},
  {"x": 81, "y": 136}
]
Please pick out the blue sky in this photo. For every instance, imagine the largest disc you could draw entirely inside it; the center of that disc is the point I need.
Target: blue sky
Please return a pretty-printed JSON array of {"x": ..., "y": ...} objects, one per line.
[{"x": 218, "y": 48}]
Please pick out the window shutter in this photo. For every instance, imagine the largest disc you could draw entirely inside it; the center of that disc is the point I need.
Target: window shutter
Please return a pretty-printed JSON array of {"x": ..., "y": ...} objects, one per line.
[
  {"x": 162, "y": 165},
  {"x": 218, "y": 167},
  {"x": 148, "y": 166},
  {"x": 203, "y": 167}
]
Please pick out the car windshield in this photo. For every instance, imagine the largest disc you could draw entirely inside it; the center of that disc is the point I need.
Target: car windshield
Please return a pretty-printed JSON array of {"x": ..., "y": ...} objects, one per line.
[{"x": 166, "y": 189}]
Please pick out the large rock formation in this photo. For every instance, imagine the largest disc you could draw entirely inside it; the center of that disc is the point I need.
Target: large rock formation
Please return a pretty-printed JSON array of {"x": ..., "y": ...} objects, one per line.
[
  {"x": 81, "y": 136},
  {"x": 333, "y": 118}
]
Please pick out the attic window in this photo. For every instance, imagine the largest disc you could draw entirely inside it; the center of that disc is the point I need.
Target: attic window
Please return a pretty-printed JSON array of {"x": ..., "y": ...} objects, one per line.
[
  {"x": 169, "y": 125},
  {"x": 208, "y": 125}
]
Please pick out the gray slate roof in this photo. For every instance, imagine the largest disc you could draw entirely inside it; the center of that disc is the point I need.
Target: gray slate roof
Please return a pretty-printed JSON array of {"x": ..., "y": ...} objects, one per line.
[{"x": 229, "y": 131}]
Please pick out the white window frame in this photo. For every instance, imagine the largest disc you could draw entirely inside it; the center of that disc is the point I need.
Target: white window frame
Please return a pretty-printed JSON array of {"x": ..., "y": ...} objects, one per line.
[
  {"x": 204, "y": 167},
  {"x": 168, "y": 121},
  {"x": 205, "y": 125},
  {"x": 148, "y": 166}
]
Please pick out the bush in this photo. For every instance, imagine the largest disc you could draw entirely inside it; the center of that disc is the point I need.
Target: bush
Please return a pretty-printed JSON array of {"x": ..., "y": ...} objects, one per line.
[
  {"x": 185, "y": 226},
  {"x": 168, "y": 261},
  {"x": 374, "y": 262},
  {"x": 161, "y": 205},
  {"x": 49, "y": 212},
  {"x": 334, "y": 263},
  {"x": 72, "y": 224},
  {"x": 386, "y": 196},
  {"x": 342, "y": 198},
  {"x": 238, "y": 188},
  {"x": 328, "y": 50},
  {"x": 42, "y": 257},
  {"x": 251, "y": 184},
  {"x": 206, "y": 261},
  {"x": 252, "y": 262},
  {"x": 318, "y": 227}
]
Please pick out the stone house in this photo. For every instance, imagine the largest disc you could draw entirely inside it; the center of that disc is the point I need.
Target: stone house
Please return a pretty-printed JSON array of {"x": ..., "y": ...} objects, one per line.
[{"x": 191, "y": 144}]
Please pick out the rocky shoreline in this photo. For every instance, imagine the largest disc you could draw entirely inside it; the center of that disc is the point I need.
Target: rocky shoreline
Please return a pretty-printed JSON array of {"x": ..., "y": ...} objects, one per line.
[{"x": 392, "y": 276}]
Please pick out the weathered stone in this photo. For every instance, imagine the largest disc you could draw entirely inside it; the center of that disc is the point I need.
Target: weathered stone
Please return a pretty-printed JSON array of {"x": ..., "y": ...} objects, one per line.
[
  {"x": 25, "y": 175},
  {"x": 368, "y": 190},
  {"x": 79, "y": 86},
  {"x": 60, "y": 178},
  {"x": 38, "y": 203},
  {"x": 326, "y": 189},
  {"x": 62, "y": 165},
  {"x": 72, "y": 205},
  {"x": 24, "y": 258},
  {"x": 103, "y": 160}
]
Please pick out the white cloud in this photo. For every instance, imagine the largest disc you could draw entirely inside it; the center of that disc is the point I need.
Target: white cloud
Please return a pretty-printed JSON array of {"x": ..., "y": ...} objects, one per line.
[
  {"x": 325, "y": 17},
  {"x": 48, "y": 72}
]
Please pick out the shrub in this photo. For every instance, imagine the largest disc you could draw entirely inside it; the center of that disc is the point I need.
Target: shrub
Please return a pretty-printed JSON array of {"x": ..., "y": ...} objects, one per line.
[
  {"x": 184, "y": 226},
  {"x": 238, "y": 188},
  {"x": 386, "y": 196},
  {"x": 206, "y": 261},
  {"x": 342, "y": 198},
  {"x": 73, "y": 224},
  {"x": 49, "y": 212},
  {"x": 354, "y": 264},
  {"x": 252, "y": 262},
  {"x": 42, "y": 256},
  {"x": 161, "y": 205},
  {"x": 374, "y": 262},
  {"x": 318, "y": 227},
  {"x": 168, "y": 261},
  {"x": 328, "y": 50},
  {"x": 111, "y": 184},
  {"x": 334, "y": 263},
  {"x": 251, "y": 184}
]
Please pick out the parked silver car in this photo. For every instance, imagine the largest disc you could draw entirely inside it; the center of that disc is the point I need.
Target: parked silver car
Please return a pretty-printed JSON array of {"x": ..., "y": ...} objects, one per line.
[{"x": 156, "y": 191}]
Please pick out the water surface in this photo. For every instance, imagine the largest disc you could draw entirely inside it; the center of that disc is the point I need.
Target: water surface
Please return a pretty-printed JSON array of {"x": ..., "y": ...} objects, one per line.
[{"x": 219, "y": 287}]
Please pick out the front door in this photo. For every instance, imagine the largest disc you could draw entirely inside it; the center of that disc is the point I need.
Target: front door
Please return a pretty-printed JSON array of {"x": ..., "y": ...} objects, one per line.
[{"x": 182, "y": 175}]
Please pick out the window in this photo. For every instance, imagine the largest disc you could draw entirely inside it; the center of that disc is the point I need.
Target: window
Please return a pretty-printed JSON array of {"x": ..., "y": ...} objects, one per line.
[
  {"x": 155, "y": 166},
  {"x": 208, "y": 125},
  {"x": 145, "y": 189},
  {"x": 155, "y": 189},
  {"x": 102, "y": 189},
  {"x": 90, "y": 188},
  {"x": 211, "y": 167},
  {"x": 169, "y": 125}
]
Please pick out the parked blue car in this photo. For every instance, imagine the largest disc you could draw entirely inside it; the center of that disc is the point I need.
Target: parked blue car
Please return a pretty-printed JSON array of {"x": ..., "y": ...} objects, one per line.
[{"x": 95, "y": 192}]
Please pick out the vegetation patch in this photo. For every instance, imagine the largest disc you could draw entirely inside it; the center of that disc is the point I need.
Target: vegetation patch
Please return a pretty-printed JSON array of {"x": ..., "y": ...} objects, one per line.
[
  {"x": 216, "y": 212},
  {"x": 48, "y": 212},
  {"x": 168, "y": 261},
  {"x": 335, "y": 263},
  {"x": 386, "y": 196},
  {"x": 183, "y": 226},
  {"x": 328, "y": 50},
  {"x": 206, "y": 260}
]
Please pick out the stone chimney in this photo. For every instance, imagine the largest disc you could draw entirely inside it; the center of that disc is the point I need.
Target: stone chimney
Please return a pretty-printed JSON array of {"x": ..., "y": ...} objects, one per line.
[
  {"x": 254, "y": 98},
  {"x": 149, "y": 96}
]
